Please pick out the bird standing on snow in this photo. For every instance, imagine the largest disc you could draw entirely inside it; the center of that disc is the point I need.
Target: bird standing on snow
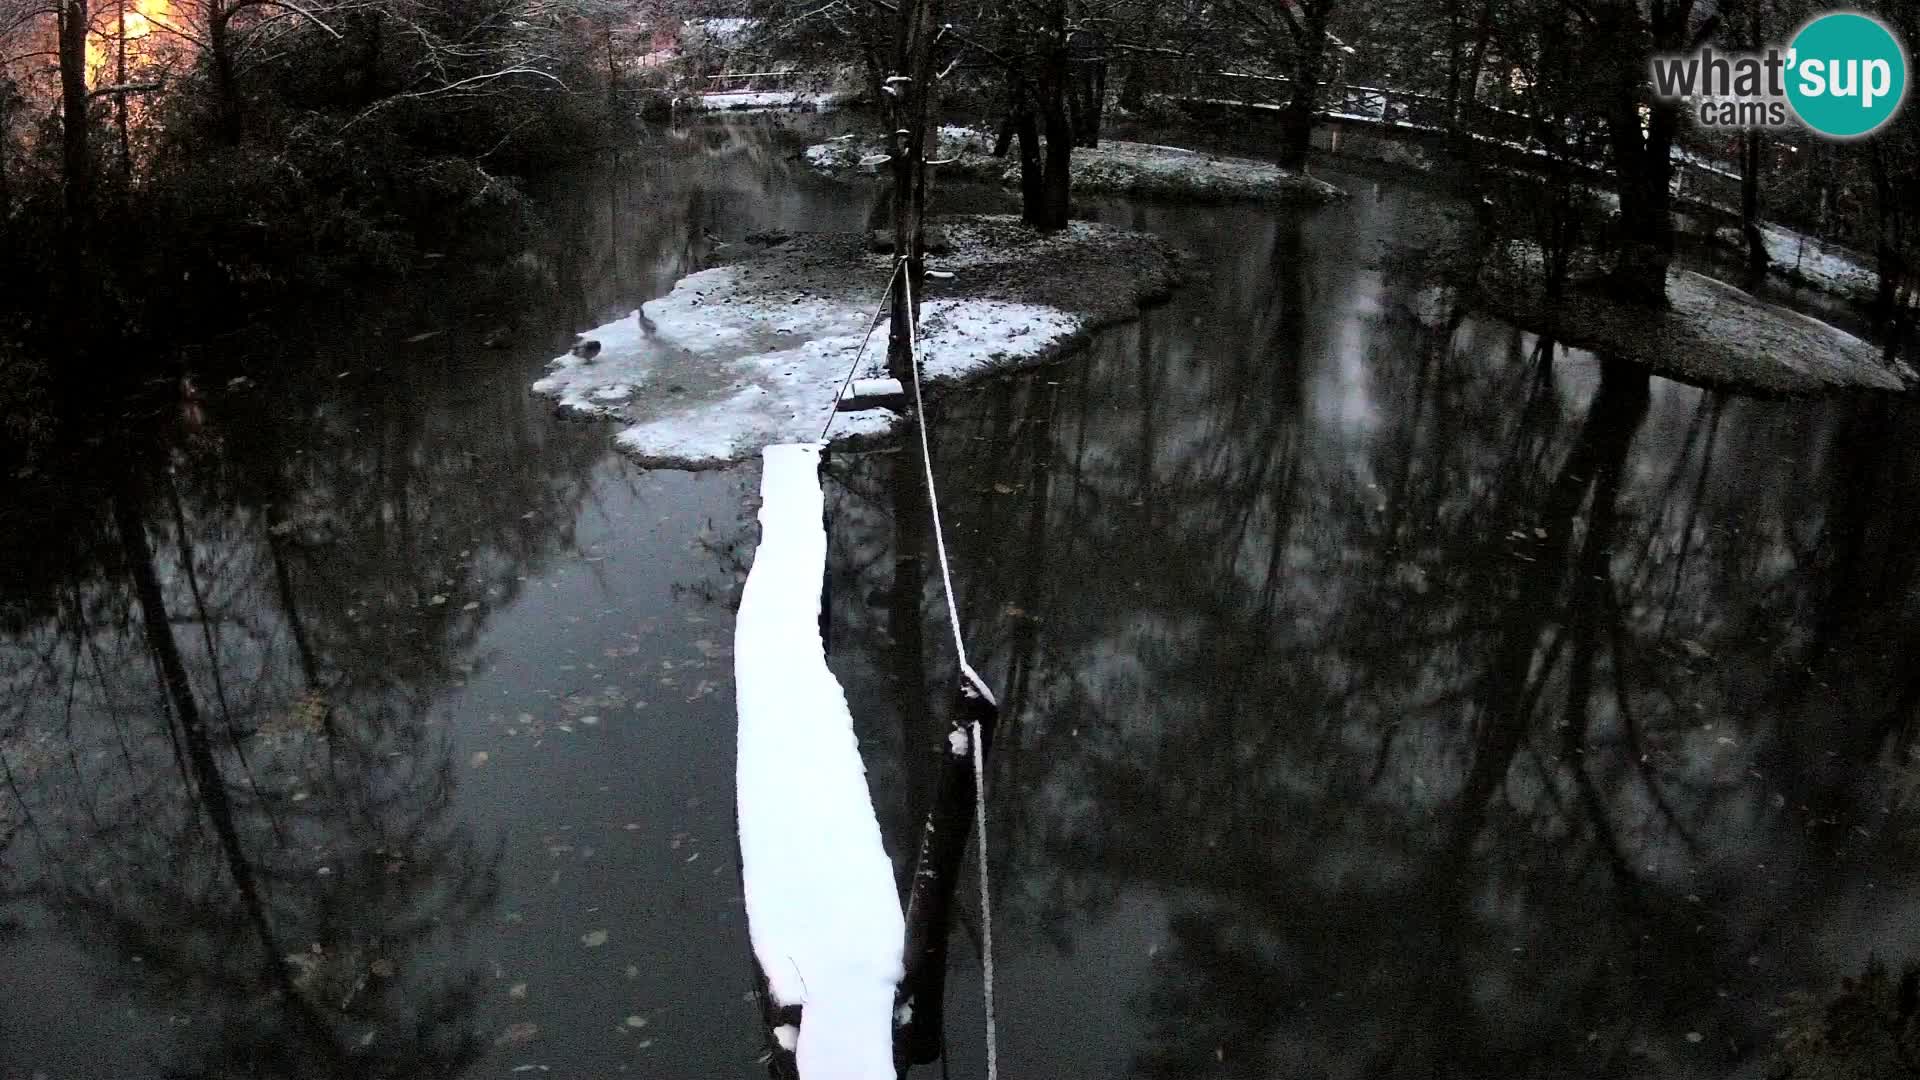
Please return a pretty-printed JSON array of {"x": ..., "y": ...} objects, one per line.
[
  {"x": 646, "y": 325},
  {"x": 586, "y": 350}
]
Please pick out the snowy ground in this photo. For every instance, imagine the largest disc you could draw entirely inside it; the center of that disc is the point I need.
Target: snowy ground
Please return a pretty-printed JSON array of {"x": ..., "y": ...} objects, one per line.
[
  {"x": 771, "y": 99},
  {"x": 1714, "y": 334},
  {"x": 753, "y": 352},
  {"x": 1798, "y": 257},
  {"x": 1132, "y": 170}
]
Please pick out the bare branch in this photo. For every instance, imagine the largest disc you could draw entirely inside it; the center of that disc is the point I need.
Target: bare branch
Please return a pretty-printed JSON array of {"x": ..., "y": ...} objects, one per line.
[{"x": 128, "y": 88}]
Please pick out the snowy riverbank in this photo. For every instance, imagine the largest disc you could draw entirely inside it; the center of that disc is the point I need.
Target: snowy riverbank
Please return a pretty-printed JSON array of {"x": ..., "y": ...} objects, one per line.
[
  {"x": 1124, "y": 169},
  {"x": 1713, "y": 334},
  {"x": 753, "y": 351}
]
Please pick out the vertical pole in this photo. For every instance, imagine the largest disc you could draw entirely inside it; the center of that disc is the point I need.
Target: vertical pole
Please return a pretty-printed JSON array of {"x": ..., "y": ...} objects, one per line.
[
  {"x": 826, "y": 564},
  {"x": 918, "y": 1020}
]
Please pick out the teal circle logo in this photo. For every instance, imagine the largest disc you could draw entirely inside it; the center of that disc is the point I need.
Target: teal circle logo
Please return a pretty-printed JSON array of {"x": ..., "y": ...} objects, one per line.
[{"x": 1846, "y": 75}]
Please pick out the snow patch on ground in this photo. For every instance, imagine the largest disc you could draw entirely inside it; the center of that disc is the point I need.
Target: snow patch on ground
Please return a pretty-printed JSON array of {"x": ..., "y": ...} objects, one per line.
[
  {"x": 769, "y": 99},
  {"x": 1828, "y": 268},
  {"x": 755, "y": 352},
  {"x": 731, "y": 369},
  {"x": 1713, "y": 334},
  {"x": 822, "y": 911}
]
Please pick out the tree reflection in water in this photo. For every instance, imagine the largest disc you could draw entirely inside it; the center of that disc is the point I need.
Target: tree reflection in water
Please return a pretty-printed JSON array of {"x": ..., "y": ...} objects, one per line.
[{"x": 1389, "y": 693}]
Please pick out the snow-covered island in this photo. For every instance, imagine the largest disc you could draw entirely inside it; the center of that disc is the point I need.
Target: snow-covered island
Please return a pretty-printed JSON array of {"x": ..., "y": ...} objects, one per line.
[
  {"x": 753, "y": 351},
  {"x": 1125, "y": 169}
]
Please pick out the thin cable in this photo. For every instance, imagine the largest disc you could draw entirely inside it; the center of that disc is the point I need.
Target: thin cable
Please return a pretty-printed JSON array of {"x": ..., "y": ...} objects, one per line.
[
  {"x": 848, "y": 381},
  {"x": 976, "y": 684}
]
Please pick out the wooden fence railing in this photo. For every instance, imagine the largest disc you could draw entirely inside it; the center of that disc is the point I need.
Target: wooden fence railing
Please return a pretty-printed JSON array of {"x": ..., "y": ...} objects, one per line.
[
  {"x": 1695, "y": 178},
  {"x": 767, "y": 82}
]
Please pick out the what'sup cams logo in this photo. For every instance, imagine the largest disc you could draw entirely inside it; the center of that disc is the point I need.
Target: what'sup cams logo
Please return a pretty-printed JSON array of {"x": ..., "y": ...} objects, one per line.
[{"x": 1843, "y": 76}]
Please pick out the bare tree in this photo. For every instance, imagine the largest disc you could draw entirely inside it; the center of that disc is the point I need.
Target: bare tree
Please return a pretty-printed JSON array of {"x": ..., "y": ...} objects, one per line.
[{"x": 1295, "y": 35}]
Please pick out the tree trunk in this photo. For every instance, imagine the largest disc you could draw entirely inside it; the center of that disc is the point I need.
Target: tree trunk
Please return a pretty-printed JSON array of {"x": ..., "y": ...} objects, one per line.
[
  {"x": 1892, "y": 294},
  {"x": 1752, "y": 140},
  {"x": 1643, "y": 172},
  {"x": 1133, "y": 86},
  {"x": 1477, "y": 62},
  {"x": 1750, "y": 157},
  {"x": 77, "y": 159},
  {"x": 1033, "y": 179},
  {"x": 226, "y": 87},
  {"x": 613, "y": 75},
  {"x": 1088, "y": 78},
  {"x": 366, "y": 69},
  {"x": 1056, "y": 194},
  {"x": 120, "y": 99},
  {"x": 910, "y": 116},
  {"x": 1310, "y": 48},
  {"x": 1456, "y": 59},
  {"x": 6, "y": 122}
]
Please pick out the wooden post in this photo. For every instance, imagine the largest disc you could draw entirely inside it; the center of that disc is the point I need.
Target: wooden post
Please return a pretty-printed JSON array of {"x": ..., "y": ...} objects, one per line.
[
  {"x": 826, "y": 564},
  {"x": 918, "y": 1020}
]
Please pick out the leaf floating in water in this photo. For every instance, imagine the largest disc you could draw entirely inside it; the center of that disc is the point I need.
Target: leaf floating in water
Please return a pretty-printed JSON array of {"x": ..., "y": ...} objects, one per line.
[
  {"x": 1003, "y": 489},
  {"x": 593, "y": 939},
  {"x": 470, "y": 605},
  {"x": 517, "y": 1033},
  {"x": 517, "y": 990},
  {"x": 437, "y": 599},
  {"x": 589, "y": 721},
  {"x": 1694, "y": 1036},
  {"x": 479, "y": 759},
  {"x": 633, "y": 971},
  {"x": 382, "y": 968},
  {"x": 636, "y": 1021}
]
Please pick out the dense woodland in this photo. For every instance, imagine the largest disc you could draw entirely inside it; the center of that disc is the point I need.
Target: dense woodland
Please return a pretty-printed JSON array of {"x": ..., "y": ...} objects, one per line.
[{"x": 171, "y": 168}]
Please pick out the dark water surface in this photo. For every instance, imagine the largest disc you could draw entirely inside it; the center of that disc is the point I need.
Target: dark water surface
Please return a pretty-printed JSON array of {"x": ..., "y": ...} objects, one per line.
[{"x": 1386, "y": 696}]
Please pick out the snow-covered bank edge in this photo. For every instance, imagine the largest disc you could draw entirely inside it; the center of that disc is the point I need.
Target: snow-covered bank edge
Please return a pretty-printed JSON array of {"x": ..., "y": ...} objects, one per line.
[
  {"x": 753, "y": 352},
  {"x": 1802, "y": 260},
  {"x": 768, "y": 101},
  {"x": 1714, "y": 334},
  {"x": 1115, "y": 168}
]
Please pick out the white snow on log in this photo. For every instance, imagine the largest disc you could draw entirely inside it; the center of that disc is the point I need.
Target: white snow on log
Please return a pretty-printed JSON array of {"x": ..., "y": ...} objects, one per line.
[{"x": 822, "y": 910}]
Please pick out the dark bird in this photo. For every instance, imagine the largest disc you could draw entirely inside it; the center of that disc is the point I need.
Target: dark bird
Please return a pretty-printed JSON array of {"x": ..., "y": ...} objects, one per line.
[
  {"x": 586, "y": 350},
  {"x": 646, "y": 325}
]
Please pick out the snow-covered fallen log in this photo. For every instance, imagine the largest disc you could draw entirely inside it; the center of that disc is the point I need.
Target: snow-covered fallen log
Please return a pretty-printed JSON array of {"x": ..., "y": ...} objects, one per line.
[{"x": 822, "y": 909}]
